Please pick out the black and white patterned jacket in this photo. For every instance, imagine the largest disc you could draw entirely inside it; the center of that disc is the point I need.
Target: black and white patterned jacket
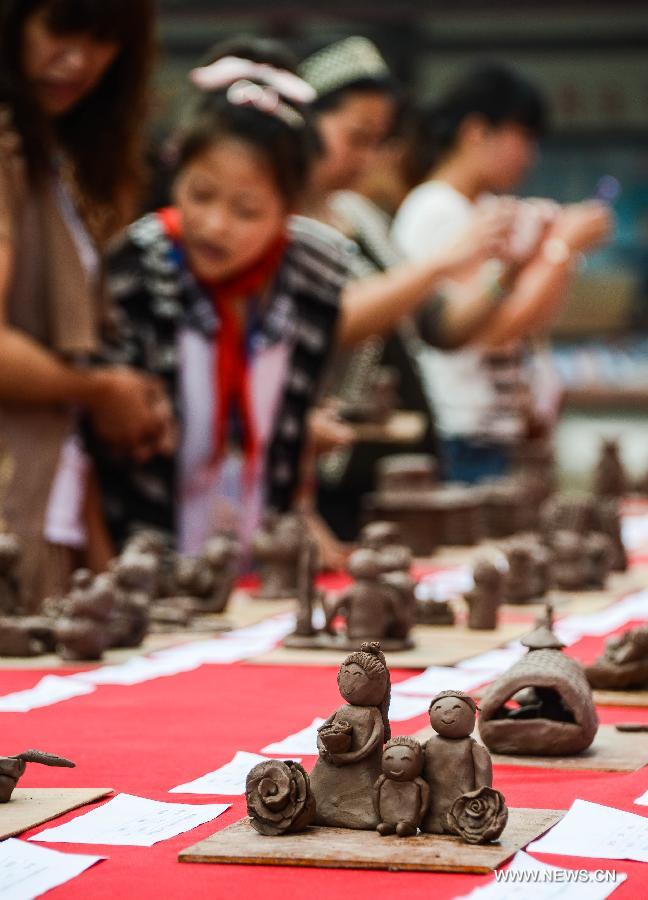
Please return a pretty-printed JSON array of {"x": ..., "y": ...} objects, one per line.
[{"x": 154, "y": 296}]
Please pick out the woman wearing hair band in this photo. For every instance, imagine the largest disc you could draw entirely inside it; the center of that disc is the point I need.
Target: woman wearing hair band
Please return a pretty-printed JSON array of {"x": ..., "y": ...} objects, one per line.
[
  {"x": 73, "y": 78},
  {"x": 236, "y": 303}
]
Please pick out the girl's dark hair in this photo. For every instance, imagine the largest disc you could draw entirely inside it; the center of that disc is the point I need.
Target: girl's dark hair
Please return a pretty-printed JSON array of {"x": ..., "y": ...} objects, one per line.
[
  {"x": 369, "y": 85},
  {"x": 288, "y": 149},
  {"x": 102, "y": 135},
  {"x": 494, "y": 92}
]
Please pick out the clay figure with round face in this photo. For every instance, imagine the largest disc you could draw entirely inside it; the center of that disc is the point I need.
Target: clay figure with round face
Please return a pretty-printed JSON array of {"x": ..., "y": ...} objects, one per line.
[
  {"x": 452, "y": 717},
  {"x": 401, "y": 762},
  {"x": 358, "y": 688}
]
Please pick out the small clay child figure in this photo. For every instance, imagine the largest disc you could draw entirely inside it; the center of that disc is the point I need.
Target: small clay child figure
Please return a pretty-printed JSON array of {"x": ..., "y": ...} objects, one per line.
[
  {"x": 454, "y": 763},
  {"x": 342, "y": 780},
  {"x": 370, "y": 607},
  {"x": 486, "y": 595},
  {"x": 610, "y": 477},
  {"x": 10, "y": 604},
  {"x": 276, "y": 547},
  {"x": 401, "y": 796}
]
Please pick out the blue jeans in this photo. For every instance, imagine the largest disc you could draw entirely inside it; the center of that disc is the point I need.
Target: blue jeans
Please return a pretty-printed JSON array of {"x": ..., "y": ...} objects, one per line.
[{"x": 472, "y": 462}]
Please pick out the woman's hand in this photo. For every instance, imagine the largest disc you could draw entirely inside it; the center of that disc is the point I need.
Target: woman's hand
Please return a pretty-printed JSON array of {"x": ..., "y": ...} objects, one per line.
[
  {"x": 131, "y": 412},
  {"x": 583, "y": 226}
]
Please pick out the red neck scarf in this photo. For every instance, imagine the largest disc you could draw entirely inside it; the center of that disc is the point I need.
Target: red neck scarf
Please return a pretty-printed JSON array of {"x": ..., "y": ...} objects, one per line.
[{"x": 232, "y": 388}]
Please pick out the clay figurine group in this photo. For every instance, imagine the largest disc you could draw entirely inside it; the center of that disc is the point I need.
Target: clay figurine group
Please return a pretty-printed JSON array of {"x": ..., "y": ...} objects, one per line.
[{"x": 365, "y": 779}]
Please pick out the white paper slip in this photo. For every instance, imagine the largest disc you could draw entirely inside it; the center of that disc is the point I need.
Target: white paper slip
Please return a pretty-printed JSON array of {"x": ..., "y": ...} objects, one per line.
[
  {"x": 440, "y": 678},
  {"x": 229, "y": 779},
  {"x": 137, "y": 670},
  {"x": 643, "y": 800},
  {"x": 132, "y": 821},
  {"x": 27, "y": 871},
  {"x": 302, "y": 742},
  {"x": 49, "y": 690},
  {"x": 445, "y": 584},
  {"x": 495, "y": 661},
  {"x": 634, "y": 530},
  {"x": 527, "y": 877},
  {"x": 403, "y": 707},
  {"x": 597, "y": 832}
]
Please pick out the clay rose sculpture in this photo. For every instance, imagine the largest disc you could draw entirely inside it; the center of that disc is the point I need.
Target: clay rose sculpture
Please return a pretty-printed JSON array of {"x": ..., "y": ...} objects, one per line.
[
  {"x": 12, "y": 768},
  {"x": 279, "y": 798},
  {"x": 479, "y": 816}
]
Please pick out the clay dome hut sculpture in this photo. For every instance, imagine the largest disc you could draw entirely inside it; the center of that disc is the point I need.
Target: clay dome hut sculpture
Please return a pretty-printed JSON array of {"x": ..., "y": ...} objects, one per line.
[{"x": 542, "y": 706}]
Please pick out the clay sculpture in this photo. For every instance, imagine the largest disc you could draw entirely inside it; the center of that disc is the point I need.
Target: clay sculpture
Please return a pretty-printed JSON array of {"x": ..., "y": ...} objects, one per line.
[
  {"x": 83, "y": 628},
  {"x": 371, "y": 608},
  {"x": 401, "y": 796},
  {"x": 570, "y": 565},
  {"x": 13, "y": 767},
  {"x": 542, "y": 706},
  {"x": 609, "y": 523},
  {"x": 610, "y": 478},
  {"x": 134, "y": 575},
  {"x": 486, "y": 595},
  {"x": 307, "y": 592},
  {"x": 395, "y": 562},
  {"x": 277, "y": 547},
  {"x": 624, "y": 663},
  {"x": 378, "y": 535},
  {"x": 10, "y": 600},
  {"x": 342, "y": 782},
  {"x": 279, "y": 798},
  {"x": 478, "y": 817},
  {"x": 454, "y": 763}
]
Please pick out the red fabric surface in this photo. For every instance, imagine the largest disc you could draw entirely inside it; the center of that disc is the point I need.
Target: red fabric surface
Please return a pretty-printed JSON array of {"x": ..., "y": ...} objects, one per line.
[{"x": 145, "y": 739}]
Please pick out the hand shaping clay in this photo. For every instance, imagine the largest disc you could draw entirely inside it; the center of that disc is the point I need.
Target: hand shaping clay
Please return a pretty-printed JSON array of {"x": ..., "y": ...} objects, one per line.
[
  {"x": 624, "y": 664},
  {"x": 342, "y": 782},
  {"x": 454, "y": 763},
  {"x": 401, "y": 796},
  {"x": 543, "y": 705}
]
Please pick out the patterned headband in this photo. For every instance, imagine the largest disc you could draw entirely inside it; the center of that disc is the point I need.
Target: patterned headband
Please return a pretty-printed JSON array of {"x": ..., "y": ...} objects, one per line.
[
  {"x": 343, "y": 63},
  {"x": 256, "y": 84}
]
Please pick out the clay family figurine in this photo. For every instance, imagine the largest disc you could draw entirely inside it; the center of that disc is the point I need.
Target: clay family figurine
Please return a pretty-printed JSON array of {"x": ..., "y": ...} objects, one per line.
[
  {"x": 454, "y": 763},
  {"x": 277, "y": 546},
  {"x": 542, "y": 706},
  {"x": 209, "y": 577},
  {"x": 279, "y": 797},
  {"x": 485, "y": 596},
  {"x": 371, "y": 608},
  {"x": 10, "y": 601},
  {"x": 350, "y": 756},
  {"x": 82, "y": 628},
  {"x": 13, "y": 767},
  {"x": 610, "y": 477},
  {"x": 401, "y": 796},
  {"x": 624, "y": 663}
]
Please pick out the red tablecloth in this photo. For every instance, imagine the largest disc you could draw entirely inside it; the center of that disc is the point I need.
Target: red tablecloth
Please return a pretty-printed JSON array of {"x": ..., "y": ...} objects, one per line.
[{"x": 145, "y": 739}]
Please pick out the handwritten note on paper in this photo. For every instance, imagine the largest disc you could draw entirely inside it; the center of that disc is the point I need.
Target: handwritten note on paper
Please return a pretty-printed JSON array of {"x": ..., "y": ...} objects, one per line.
[
  {"x": 27, "y": 871},
  {"x": 132, "y": 821},
  {"x": 228, "y": 780},
  {"x": 528, "y": 877},
  {"x": 596, "y": 832},
  {"x": 49, "y": 690},
  {"x": 302, "y": 742}
]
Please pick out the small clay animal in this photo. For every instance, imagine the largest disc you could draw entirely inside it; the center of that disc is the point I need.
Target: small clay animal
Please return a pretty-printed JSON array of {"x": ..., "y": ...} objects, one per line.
[
  {"x": 13, "y": 767},
  {"x": 486, "y": 595},
  {"x": 401, "y": 796},
  {"x": 454, "y": 763}
]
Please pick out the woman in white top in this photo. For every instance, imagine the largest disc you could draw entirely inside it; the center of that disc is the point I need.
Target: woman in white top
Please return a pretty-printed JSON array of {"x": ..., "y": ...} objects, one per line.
[{"x": 481, "y": 140}]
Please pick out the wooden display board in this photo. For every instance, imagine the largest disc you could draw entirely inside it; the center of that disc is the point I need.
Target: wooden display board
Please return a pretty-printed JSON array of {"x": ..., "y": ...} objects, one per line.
[
  {"x": 30, "y": 807},
  {"x": 611, "y": 751},
  {"x": 345, "y": 848}
]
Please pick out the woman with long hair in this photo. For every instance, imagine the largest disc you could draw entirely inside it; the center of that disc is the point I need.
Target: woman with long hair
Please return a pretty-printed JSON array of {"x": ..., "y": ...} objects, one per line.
[{"x": 73, "y": 87}]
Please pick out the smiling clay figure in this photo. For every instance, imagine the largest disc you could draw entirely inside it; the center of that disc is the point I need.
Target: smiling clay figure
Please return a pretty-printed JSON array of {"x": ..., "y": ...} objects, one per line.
[
  {"x": 342, "y": 782},
  {"x": 454, "y": 763},
  {"x": 401, "y": 796}
]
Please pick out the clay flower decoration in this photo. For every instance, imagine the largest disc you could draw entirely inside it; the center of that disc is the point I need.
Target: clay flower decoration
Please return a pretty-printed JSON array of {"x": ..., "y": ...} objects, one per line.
[
  {"x": 279, "y": 799},
  {"x": 478, "y": 816}
]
